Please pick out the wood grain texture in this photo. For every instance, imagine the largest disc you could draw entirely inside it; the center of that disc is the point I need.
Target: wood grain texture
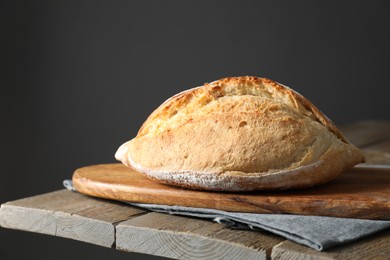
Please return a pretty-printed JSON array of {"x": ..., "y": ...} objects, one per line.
[
  {"x": 373, "y": 247},
  {"x": 358, "y": 193},
  {"x": 67, "y": 214},
  {"x": 190, "y": 238}
]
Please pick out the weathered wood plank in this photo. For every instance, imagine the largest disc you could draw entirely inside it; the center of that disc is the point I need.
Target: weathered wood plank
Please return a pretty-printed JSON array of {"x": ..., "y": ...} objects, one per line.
[
  {"x": 367, "y": 133},
  {"x": 190, "y": 238},
  {"x": 376, "y": 157},
  {"x": 373, "y": 247},
  {"x": 381, "y": 146},
  {"x": 67, "y": 214}
]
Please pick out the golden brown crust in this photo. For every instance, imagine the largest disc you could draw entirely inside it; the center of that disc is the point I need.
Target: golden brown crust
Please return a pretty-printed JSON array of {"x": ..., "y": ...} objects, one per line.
[
  {"x": 214, "y": 89},
  {"x": 241, "y": 133}
]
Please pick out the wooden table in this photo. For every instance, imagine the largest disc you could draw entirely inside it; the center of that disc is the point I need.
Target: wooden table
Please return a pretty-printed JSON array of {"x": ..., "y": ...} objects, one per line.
[{"x": 111, "y": 224}]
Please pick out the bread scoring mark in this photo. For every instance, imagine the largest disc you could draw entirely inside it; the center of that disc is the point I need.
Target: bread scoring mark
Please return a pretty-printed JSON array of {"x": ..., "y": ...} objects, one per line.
[
  {"x": 182, "y": 105},
  {"x": 157, "y": 115},
  {"x": 311, "y": 110}
]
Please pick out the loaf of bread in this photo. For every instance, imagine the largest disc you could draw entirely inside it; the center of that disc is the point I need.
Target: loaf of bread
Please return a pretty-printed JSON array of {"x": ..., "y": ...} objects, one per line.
[{"x": 239, "y": 134}]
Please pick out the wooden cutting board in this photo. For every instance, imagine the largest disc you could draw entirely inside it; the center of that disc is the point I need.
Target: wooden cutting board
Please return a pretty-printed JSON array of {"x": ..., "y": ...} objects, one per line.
[{"x": 358, "y": 193}]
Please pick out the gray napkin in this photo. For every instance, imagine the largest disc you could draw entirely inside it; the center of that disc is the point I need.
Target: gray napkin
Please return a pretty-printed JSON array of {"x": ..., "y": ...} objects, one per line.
[{"x": 316, "y": 232}]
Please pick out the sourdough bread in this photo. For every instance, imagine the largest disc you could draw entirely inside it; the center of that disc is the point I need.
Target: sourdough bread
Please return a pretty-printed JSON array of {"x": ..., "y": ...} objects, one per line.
[{"x": 239, "y": 134}]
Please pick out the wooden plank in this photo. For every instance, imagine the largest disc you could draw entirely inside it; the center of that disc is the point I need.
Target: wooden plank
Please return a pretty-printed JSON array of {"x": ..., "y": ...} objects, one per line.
[
  {"x": 381, "y": 146},
  {"x": 373, "y": 247},
  {"x": 373, "y": 137},
  {"x": 376, "y": 157},
  {"x": 347, "y": 196},
  {"x": 367, "y": 133},
  {"x": 67, "y": 214},
  {"x": 190, "y": 238}
]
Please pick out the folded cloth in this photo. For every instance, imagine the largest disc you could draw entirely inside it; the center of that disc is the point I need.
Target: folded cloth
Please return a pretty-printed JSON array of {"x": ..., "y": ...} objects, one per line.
[{"x": 317, "y": 232}]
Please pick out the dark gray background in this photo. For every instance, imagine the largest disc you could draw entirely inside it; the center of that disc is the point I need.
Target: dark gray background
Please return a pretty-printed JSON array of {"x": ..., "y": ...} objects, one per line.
[{"x": 78, "y": 78}]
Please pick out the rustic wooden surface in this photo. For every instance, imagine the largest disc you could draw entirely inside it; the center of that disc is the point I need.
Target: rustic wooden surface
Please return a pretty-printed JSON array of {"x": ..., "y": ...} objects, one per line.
[
  {"x": 373, "y": 247},
  {"x": 367, "y": 133},
  {"x": 198, "y": 239},
  {"x": 358, "y": 193},
  {"x": 67, "y": 214},
  {"x": 111, "y": 224}
]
